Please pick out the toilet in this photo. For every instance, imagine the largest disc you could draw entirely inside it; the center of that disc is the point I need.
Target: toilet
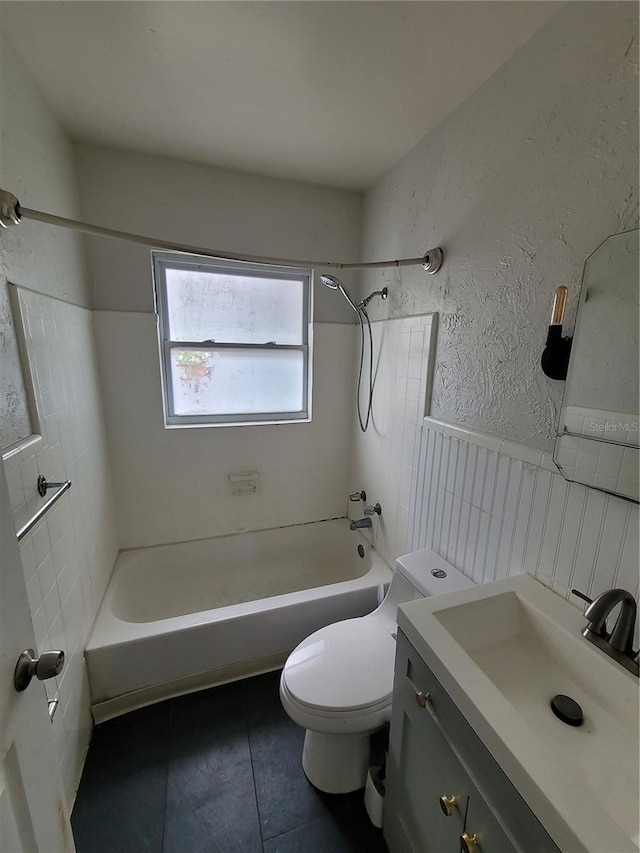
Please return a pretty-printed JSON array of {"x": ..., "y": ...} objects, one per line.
[{"x": 337, "y": 684}]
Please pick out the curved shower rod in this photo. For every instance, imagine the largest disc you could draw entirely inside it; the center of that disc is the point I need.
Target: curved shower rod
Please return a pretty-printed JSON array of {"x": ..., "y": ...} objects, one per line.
[{"x": 12, "y": 212}]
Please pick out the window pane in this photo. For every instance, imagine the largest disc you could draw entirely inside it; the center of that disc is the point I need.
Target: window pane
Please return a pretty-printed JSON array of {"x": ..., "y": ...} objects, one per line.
[
  {"x": 230, "y": 308},
  {"x": 237, "y": 381}
]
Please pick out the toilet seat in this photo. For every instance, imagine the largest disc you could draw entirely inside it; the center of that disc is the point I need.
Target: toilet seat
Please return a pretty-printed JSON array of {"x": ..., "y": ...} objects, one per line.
[{"x": 345, "y": 668}]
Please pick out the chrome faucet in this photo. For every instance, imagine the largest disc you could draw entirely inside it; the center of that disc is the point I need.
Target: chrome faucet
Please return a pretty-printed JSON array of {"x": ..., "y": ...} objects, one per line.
[
  {"x": 361, "y": 522},
  {"x": 619, "y": 643}
]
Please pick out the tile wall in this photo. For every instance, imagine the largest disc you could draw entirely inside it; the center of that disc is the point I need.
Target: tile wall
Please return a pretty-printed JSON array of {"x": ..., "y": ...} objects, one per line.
[
  {"x": 383, "y": 456},
  {"x": 68, "y": 557},
  {"x": 494, "y": 508},
  {"x": 173, "y": 484}
]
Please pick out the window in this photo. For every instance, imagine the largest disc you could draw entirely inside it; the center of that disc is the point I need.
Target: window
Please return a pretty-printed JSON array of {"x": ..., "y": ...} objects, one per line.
[{"x": 234, "y": 341}]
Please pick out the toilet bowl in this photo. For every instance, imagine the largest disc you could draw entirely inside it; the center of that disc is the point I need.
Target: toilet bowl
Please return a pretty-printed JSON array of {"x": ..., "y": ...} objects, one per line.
[{"x": 337, "y": 683}]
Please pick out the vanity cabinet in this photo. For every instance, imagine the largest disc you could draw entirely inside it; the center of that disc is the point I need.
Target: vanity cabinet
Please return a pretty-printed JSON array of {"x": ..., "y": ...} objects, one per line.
[{"x": 445, "y": 792}]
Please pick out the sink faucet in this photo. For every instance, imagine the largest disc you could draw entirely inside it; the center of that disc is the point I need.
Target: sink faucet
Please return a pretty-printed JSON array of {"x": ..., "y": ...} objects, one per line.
[
  {"x": 361, "y": 522},
  {"x": 619, "y": 643}
]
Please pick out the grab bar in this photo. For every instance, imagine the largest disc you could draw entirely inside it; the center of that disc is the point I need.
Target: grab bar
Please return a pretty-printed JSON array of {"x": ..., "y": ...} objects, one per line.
[{"x": 43, "y": 485}]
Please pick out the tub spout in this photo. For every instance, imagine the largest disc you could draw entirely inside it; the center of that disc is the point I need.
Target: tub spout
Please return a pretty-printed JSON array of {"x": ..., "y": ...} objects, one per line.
[{"x": 360, "y": 522}]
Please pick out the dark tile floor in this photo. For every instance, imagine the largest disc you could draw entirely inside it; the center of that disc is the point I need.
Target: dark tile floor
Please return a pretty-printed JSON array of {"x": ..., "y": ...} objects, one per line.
[{"x": 216, "y": 771}]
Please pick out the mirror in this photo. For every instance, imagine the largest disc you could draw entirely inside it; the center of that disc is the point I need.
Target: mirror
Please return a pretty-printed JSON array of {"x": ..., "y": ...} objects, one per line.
[{"x": 598, "y": 433}]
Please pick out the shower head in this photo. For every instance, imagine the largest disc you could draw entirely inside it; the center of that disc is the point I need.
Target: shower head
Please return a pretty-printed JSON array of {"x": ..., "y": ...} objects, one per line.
[
  {"x": 335, "y": 284},
  {"x": 330, "y": 281}
]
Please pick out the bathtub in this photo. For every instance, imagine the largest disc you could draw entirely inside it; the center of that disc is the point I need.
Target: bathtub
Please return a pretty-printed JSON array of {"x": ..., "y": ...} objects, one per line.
[{"x": 178, "y": 618}]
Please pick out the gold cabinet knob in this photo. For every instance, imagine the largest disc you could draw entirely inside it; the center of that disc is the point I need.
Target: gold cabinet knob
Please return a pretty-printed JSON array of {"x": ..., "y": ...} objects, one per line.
[
  {"x": 447, "y": 804},
  {"x": 422, "y": 698},
  {"x": 469, "y": 843}
]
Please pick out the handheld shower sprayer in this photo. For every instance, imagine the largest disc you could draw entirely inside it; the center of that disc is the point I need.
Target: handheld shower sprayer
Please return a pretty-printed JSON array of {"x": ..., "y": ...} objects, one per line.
[
  {"x": 431, "y": 263},
  {"x": 334, "y": 283},
  {"x": 330, "y": 281}
]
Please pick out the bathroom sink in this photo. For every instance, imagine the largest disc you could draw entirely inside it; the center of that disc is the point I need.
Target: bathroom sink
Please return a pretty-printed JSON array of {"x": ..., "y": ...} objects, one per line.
[{"x": 503, "y": 651}]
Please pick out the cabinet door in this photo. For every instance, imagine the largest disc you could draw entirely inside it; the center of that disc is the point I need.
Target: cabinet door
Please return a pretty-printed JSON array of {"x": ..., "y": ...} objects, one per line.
[
  {"x": 469, "y": 811},
  {"x": 422, "y": 770},
  {"x": 421, "y": 780},
  {"x": 434, "y": 753}
]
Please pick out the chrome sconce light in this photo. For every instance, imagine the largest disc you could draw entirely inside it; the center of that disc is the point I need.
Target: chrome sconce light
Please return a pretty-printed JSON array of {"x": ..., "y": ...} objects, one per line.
[{"x": 555, "y": 358}]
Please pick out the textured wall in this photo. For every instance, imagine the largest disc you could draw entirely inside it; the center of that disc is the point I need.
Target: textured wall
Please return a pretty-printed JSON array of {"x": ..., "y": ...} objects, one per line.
[
  {"x": 209, "y": 207},
  {"x": 518, "y": 185},
  {"x": 36, "y": 163}
]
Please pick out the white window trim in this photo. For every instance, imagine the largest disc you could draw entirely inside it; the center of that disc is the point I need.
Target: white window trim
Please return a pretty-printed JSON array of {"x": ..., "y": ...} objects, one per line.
[{"x": 161, "y": 261}]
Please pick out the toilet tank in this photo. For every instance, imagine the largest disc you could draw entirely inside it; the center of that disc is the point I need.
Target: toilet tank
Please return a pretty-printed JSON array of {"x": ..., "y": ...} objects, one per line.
[
  {"x": 430, "y": 574},
  {"x": 418, "y": 575}
]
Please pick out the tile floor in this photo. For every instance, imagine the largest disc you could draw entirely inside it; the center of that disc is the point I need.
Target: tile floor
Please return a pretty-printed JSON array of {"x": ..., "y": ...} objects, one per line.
[{"x": 213, "y": 771}]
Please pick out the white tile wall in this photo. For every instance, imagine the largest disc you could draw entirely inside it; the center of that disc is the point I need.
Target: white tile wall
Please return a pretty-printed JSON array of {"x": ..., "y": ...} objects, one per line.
[
  {"x": 68, "y": 557},
  {"x": 383, "y": 457},
  {"x": 493, "y": 513},
  {"x": 173, "y": 485}
]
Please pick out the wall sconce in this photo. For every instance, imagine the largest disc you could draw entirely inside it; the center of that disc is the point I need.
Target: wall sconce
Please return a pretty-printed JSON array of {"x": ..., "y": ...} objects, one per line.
[{"x": 555, "y": 358}]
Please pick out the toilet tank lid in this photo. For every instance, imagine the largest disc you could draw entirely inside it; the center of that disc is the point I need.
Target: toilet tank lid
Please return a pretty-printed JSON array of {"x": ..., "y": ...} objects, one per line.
[{"x": 424, "y": 569}]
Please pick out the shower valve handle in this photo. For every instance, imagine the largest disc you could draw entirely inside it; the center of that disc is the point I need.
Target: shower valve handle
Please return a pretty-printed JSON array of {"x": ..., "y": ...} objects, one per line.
[
  {"x": 358, "y": 496},
  {"x": 373, "y": 510}
]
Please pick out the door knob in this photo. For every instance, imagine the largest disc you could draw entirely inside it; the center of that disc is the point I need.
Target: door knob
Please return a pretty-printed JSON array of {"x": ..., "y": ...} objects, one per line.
[{"x": 48, "y": 665}]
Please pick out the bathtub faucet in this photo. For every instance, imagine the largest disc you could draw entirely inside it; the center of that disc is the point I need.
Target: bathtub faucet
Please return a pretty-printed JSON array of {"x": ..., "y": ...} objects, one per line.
[{"x": 360, "y": 522}]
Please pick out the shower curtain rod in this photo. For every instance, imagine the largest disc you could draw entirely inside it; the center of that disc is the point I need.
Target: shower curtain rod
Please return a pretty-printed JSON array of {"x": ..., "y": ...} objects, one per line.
[{"x": 11, "y": 212}]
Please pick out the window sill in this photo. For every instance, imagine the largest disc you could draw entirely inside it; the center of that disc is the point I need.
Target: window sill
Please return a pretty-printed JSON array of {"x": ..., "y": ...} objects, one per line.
[{"x": 239, "y": 424}]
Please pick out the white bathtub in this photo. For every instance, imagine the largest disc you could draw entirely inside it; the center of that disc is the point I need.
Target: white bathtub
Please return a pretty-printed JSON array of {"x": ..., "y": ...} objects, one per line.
[{"x": 177, "y": 618}]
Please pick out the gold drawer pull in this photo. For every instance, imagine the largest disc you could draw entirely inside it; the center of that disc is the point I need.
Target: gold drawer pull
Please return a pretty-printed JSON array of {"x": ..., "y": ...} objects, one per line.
[
  {"x": 469, "y": 843},
  {"x": 422, "y": 698},
  {"x": 447, "y": 804}
]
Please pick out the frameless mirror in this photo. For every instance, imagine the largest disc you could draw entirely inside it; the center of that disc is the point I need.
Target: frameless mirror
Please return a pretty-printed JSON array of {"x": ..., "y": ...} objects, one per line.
[{"x": 598, "y": 433}]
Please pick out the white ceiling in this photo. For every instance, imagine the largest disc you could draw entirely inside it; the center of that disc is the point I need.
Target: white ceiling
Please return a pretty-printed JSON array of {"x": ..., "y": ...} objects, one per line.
[{"x": 326, "y": 92}]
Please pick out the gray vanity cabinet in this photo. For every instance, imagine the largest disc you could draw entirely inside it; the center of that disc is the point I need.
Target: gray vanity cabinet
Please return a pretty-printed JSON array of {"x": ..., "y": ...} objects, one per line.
[{"x": 445, "y": 792}]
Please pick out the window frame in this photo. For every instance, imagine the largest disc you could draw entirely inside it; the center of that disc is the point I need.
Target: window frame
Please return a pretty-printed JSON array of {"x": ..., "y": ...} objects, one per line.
[{"x": 161, "y": 262}]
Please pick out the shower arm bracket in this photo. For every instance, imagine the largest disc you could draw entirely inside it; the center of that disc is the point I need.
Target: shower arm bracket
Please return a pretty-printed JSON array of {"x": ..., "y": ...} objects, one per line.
[
  {"x": 9, "y": 209},
  {"x": 433, "y": 260}
]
